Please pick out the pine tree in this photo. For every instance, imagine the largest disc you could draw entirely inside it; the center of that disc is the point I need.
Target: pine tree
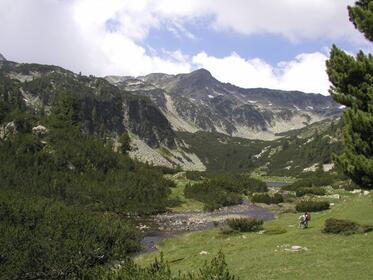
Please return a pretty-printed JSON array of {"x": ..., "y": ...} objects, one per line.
[
  {"x": 352, "y": 86},
  {"x": 65, "y": 110}
]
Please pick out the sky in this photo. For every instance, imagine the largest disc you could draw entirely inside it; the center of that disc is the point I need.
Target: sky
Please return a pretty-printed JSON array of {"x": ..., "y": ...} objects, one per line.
[{"x": 281, "y": 44}]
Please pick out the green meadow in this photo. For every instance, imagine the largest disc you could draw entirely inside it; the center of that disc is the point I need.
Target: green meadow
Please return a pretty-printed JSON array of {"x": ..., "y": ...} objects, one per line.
[{"x": 268, "y": 254}]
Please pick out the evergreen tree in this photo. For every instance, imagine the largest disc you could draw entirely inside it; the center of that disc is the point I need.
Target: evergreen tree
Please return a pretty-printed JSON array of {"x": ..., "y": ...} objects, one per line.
[
  {"x": 125, "y": 143},
  {"x": 65, "y": 110},
  {"x": 352, "y": 86}
]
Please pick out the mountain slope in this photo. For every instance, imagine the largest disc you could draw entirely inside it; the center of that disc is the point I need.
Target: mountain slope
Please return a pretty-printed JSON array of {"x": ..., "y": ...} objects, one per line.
[
  {"x": 104, "y": 108},
  {"x": 296, "y": 152},
  {"x": 198, "y": 102}
]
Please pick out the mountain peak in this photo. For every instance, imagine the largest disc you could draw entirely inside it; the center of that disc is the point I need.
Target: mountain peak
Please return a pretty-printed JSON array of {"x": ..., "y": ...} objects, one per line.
[
  {"x": 200, "y": 77},
  {"x": 2, "y": 58},
  {"x": 202, "y": 72}
]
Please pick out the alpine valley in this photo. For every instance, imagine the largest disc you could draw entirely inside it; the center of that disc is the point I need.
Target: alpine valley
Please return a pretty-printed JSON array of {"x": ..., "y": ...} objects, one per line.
[{"x": 191, "y": 121}]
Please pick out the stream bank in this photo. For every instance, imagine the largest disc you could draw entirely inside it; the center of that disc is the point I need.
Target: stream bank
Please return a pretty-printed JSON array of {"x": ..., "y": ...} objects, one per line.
[{"x": 159, "y": 227}]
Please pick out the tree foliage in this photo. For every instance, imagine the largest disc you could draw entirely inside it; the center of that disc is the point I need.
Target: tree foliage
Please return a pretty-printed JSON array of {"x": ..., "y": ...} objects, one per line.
[
  {"x": 223, "y": 190},
  {"x": 352, "y": 86}
]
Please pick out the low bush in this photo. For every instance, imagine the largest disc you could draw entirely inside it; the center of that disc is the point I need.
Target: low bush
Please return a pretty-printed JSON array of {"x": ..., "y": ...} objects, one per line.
[
  {"x": 315, "y": 191},
  {"x": 194, "y": 175},
  {"x": 267, "y": 199},
  {"x": 261, "y": 198},
  {"x": 160, "y": 270},
  {"x": 312, "y": 206},
  {"x": 278, "y": 198},
  {"x": 338, "y": 226},
  {"x": 311, "y": 181},
  {"x": 226, "y": 229},
  {"x": 349, "y": 185},
  {"x": 245, "y": 224}
]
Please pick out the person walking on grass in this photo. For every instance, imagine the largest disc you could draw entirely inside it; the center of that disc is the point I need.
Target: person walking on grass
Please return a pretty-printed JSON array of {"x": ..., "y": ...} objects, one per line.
[{"x": 304, "y": 220}]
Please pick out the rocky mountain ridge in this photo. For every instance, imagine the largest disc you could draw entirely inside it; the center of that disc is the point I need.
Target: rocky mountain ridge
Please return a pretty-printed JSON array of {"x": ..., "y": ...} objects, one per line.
[
  {"x": 198, "y": 102},
  {"x": 153, "y": 109}
]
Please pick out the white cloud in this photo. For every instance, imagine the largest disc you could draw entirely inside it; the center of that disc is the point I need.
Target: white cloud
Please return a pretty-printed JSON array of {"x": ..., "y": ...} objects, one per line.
[
  {"x": 305, "y": 73},
  {"x": 74, "y": 34},
  {"x": 293, "y": 19}
]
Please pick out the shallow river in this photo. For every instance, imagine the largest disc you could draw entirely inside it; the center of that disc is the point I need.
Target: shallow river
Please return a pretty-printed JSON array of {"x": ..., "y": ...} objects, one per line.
[
  {"x": 156, "y": 228},
  {"x": 159, "y": 227}
]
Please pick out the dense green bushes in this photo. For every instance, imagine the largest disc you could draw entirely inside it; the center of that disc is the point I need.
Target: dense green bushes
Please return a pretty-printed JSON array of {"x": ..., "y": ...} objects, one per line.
[
  {"x": 194, "y": 175},
  {"x": 267, "y": 199},
  {"x": 223, "y": 190},
  {"x": 43, "y": 239},
  {"x": 338, "y": 226},
  {"x": 318, "y": 179},
  {"x": 312, "y": 206},
  {"x": 314, "y": 191},
  {"x": 160, "y": 270},
  {"x": 245, "y": 224}
]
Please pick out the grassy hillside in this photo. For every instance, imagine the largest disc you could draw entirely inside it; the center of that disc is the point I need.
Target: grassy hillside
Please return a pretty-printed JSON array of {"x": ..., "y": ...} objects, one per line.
[{"x": 263, "y": 256}]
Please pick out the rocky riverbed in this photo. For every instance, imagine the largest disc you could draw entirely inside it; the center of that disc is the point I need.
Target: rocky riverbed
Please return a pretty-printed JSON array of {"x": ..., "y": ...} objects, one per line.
[{"x": 158, "y": 227}]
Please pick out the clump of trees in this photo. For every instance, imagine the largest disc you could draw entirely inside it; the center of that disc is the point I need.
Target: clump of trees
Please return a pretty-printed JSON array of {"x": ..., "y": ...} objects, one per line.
[
  {"x": 314, "y": 191},
  {"x": 245, "y": 224},
  {"x": 352, "y": 86},
  {"x": 312, "y": 180},
  {"x": 267, "y": 199},
  {"x": 223, "y": 190},
  {"x": 312, "y": 206},
  {"x": 346, "y": 227}
]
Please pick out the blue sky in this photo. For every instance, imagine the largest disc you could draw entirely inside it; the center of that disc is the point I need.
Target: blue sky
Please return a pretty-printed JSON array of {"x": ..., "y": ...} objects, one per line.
[
  {"x": 271, "y": 43},
  {"x": 273, "y": 48}
]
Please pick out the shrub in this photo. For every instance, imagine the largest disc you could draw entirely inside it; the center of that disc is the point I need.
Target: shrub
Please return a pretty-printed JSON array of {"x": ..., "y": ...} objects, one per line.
[
  {"x": 311, "y": 181},
  {"x": 194, "y": 175},
  {"x": 338, "y": 226},
  {"x": 314, "y": 191},
  {"x": 278, "y": 198},
  {"x": 245, "y": 224},
  {"x": 226, "y": 229},
  {"x": 261, "y": 198},
  {"x": 160, "y": 270},
  {"x": 267, "y": 199},
  {"x": 312, "y": 206}
]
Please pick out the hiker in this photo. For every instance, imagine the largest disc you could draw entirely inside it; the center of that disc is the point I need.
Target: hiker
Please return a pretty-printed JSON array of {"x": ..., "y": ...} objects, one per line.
[
  {"x": 303, "y": 220},
  {"x": 308, "y": 218}
]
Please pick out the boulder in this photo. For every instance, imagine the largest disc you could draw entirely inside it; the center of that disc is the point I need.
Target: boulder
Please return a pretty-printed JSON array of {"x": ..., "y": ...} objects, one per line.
[
  {"x": 8, "y": 130},
  {"x": 39, "y": 130}
]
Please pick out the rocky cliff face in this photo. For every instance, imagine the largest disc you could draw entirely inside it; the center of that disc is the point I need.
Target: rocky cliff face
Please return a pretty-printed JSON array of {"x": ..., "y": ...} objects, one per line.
[
  {"x": 104, "y": 108},
  {"x": 198, "y": 102}
]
